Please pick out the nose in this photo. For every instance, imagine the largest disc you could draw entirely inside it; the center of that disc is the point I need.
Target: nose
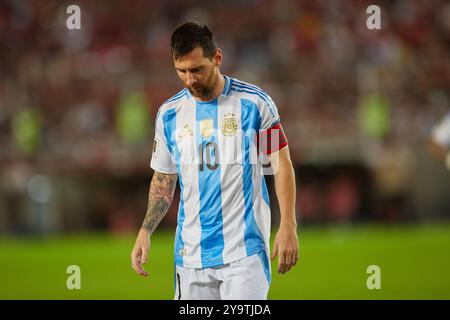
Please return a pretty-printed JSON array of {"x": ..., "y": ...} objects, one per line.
[{"x": 190, "y": 79}]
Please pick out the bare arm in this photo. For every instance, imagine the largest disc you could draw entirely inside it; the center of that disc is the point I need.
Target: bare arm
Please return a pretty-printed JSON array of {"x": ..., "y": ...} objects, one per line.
[
  {"x": 162, "y": 188},
  {"x": 160, "y": 198},
  {"x": 286, "y": 241}
]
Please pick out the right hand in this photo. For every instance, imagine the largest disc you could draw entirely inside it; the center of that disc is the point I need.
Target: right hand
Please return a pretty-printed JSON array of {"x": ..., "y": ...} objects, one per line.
[{"x": 139, "y": 254}]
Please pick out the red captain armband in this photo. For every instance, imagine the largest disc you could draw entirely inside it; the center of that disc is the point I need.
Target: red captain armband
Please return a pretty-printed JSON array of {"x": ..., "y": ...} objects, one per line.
[{"x": 271, "y": 140}]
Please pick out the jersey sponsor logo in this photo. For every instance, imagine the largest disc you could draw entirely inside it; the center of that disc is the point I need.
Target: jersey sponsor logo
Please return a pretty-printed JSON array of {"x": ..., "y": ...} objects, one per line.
[
  {"x": 207, "y": 127},
  {"x": 229, "y": 127}
]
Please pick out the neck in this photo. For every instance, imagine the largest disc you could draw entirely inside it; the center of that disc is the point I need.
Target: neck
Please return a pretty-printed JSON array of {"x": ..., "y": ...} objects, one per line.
[{"x": 218, "y": 89}]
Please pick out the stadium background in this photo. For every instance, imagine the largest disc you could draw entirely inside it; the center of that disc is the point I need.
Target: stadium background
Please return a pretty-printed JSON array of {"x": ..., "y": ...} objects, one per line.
[{"x": 76, "y": 126}]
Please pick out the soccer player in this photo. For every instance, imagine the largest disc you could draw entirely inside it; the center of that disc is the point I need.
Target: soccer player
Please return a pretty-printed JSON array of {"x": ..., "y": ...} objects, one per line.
[{"x": 205, "y": 137}]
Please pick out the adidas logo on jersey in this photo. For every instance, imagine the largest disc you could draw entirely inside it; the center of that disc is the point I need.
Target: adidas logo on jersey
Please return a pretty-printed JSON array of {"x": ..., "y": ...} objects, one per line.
[{"x": 185, "y": 132}]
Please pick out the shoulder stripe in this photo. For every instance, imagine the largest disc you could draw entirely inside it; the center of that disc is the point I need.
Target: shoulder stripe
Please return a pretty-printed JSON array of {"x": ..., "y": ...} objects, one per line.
[
  {"x": 230, "y": 85},
  {"x": 251, "y": 86},
  {"x": 257, "y": 91},
  {"x": 179, "y": 93},
  {"x": 250, "y": 91},
  {"x": 262, "y": 93},
  {"x": 178, "y": 96},
  {"x": 227, "y": 85},
  {"x": 165, "y": 107}
]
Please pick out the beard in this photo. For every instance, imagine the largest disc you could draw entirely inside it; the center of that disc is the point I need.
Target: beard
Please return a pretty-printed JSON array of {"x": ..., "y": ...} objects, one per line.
[
  {"x": 201, "y": 91},
  {"x": 204, "y": 91}
]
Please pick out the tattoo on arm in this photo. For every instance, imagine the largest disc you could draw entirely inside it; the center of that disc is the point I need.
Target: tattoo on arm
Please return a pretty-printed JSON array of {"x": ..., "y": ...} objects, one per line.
[{"x": 160, "y": 197}]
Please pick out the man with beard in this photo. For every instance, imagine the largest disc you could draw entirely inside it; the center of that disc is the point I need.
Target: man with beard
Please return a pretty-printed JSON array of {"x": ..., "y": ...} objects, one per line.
[{"x": 210, "y": 137}]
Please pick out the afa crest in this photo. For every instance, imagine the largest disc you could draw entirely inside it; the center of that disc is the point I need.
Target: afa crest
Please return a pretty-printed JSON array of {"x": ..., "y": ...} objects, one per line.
[{"x": 229, "y": 126}]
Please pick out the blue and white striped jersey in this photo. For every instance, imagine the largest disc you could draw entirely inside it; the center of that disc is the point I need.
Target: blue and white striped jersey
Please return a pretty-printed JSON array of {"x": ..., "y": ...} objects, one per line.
[{"x": 224, "y": 212}]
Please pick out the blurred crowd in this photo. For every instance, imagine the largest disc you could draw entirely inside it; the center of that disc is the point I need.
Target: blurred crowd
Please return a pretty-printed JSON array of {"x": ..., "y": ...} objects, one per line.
[{"x": 76, "y": 102}]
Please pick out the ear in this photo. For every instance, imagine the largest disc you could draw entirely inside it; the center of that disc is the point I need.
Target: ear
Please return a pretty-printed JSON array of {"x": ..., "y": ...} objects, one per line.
[{"x": 218, "y": 57}]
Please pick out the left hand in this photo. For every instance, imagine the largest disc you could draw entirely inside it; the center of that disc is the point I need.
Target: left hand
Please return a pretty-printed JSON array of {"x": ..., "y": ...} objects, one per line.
[{"x": 286, "y": 245}]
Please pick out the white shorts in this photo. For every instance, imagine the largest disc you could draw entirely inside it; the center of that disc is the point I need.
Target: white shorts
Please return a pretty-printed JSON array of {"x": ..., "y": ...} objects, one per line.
[{"x": 244, "y": 279}]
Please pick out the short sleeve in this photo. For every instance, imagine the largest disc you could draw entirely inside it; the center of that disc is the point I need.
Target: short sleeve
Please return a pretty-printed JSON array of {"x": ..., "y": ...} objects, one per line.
[
  {"x": 271, "y": 137},
  {"x": 162, "y": 160},
  {"x": 269, "y": 113}
]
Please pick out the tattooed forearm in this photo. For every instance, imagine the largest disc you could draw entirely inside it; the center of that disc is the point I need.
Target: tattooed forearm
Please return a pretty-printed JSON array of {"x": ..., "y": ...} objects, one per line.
[{"x": 160, "y": 197}]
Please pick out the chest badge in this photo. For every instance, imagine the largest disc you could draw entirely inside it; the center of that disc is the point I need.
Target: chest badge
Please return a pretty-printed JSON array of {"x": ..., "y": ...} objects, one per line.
[
  {"x": 206, "y": 127},
  {"x": 229, "y": 126}
]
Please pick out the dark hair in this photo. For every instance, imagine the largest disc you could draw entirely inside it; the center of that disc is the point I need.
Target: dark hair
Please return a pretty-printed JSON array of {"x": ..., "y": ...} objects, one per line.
[{"x": 191, "y": 35}]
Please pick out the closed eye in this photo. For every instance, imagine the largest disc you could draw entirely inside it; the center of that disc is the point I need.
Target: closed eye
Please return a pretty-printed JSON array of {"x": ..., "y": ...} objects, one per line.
[
  {"x": 196, "y": 70},
  {"x": 192, "y": 70}
]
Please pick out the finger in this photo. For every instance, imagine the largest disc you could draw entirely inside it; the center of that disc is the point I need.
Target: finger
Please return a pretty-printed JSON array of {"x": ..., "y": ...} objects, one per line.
[
  {"x": 293, "y": 260},
  {"x": 144, "y": 273},
  {"x": 136, "y": 263},
  {"x": 285, "y": 266},
  {"x": 274, "y": 252},
  {"x": 144, "y": 256},
  {"x": 281, "y": 263},
  {"x": 288, "y": 262},
  {"x": 133, "y": 261},
  {"x": 136, "y": 267},
  {"x": 141, "y": 270},
  {"x": 295, "y": 257}
]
